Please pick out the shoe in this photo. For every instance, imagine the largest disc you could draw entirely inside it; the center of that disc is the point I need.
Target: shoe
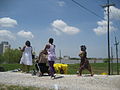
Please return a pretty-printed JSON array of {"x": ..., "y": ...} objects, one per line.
[
  {"x": 92, "y": 74},
  {"x": 53, "y": 77}
]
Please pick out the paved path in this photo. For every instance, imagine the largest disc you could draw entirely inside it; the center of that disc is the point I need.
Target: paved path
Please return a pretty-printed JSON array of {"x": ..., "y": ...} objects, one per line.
[{"x": 63, "y": 82}]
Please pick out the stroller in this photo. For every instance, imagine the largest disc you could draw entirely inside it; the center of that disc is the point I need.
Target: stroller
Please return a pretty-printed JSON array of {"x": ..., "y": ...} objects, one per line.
[{"x": 41, "y": 64}]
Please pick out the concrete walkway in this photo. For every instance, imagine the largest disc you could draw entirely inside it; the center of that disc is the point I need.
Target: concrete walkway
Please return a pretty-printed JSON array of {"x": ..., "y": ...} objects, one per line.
[{"x": 63, "y": 82}]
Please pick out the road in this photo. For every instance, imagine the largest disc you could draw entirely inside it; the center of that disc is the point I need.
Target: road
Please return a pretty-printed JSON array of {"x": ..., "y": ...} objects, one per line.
[{"x": 62, "y": 82}]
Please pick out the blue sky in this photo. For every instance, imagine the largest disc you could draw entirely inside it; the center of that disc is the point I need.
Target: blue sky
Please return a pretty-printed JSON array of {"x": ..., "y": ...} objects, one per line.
[{"x": 63, "y": 20}]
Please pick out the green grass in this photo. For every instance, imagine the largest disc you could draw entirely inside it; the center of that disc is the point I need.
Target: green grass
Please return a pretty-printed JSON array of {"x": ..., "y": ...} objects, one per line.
[
  {"x": 15, "y": 87},
  {"x": 97, "y": 68},
  {"x": 8, "y": 67}
]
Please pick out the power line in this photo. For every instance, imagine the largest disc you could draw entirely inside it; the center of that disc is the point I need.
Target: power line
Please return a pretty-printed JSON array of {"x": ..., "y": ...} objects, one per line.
[
  {"x": 96, "y": 1},
  {"x": 87, "y": 9},
  {"x": 117, "y": 2}
]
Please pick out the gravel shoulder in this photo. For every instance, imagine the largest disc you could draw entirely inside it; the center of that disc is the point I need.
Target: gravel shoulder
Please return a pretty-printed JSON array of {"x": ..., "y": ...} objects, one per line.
[{"x": 63, "y": 82}]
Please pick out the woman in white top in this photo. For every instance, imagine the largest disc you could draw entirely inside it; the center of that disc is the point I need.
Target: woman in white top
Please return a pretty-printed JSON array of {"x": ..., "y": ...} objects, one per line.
[
  {"x": 51, "y": 56},
  {"x": 26, "y": 59}
]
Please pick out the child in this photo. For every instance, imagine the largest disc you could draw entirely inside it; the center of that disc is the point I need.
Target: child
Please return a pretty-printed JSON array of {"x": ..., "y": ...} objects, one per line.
[
  {"x": 26, "y": 59},
  {"x": 41, "y": 63},
  {"x": 84, "y": 61}
]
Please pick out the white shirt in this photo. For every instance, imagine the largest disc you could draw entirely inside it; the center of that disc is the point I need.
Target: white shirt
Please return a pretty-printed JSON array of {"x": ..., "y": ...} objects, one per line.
[{"x": 51, "y": 53}]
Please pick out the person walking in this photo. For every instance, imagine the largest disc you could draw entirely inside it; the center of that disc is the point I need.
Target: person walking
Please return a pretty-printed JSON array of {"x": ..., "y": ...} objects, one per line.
[
  {"x": 84, "y": 61},
  {"x": 26, "y": 59},
  {"x": 51, "y": 56}
]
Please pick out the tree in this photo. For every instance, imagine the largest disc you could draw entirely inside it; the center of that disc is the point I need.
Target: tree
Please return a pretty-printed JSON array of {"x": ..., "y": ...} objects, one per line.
[
  {"x": 12, "y": 56},
  {"x": 1, "y": 58}
]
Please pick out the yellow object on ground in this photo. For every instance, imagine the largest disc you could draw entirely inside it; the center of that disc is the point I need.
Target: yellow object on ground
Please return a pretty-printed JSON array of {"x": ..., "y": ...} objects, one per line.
[
  {"x": 61, "y": 68},
  {"x": 104, "y": 73}
]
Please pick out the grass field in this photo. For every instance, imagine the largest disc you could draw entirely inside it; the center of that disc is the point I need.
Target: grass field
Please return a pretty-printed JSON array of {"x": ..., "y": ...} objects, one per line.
[
  {"x": 15, "y": 87},
  {"x": 98, "y": 68}
]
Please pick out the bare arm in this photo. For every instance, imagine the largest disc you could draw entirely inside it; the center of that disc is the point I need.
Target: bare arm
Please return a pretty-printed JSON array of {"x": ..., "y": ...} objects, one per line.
[
  {"x": 31, "y": 50},
  {"x": 46, "y": 47},
  {"x": 22, "y": 49},
  {"x": 40, "y": 55}
]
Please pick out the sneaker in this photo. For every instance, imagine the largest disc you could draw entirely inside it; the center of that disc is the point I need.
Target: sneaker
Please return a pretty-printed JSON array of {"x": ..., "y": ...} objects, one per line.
[
  {"x": 53, "y": 77},
  {"x": 92, "y": 74}
]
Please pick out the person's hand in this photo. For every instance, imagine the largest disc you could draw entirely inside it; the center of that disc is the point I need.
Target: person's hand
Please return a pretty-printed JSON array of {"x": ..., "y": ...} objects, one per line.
[
  {"x": 47, "y": 46},
  {"x": 45, "y": 52},
  {"x": 20, "y": 48}
]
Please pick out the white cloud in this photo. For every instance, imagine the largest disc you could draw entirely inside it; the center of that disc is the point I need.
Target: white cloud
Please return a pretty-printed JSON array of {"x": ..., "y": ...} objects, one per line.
[
  {"x": 7, "y": 22},
  {"x": 25, "y": 34},
  {"x": 6, "y": 35},
  {"x": 102, "y": 25},
  {"x": 60, "y": 26},
  {"x": 114, "y": 13},
  {"x": 61, "y": 3}
]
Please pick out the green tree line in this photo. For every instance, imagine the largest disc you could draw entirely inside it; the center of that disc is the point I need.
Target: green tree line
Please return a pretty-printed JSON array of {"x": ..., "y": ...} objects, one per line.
[{"x": 10, "y": 56}]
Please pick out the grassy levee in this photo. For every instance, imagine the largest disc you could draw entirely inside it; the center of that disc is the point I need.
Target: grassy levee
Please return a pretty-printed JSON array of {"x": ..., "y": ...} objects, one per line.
[
  {"x": 97, "y": 68},
  {"x": 8, "y": 67},
  {"x": 15, "y": 87}
]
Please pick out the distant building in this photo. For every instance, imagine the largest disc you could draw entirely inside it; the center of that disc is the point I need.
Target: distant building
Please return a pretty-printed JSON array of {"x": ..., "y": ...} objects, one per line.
[
  {"x": 3, "y": 46},
  {"x": 66, "y": 57}
]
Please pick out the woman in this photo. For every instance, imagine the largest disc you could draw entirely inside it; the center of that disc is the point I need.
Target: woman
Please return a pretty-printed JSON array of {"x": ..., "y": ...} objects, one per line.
[
  {"x": 84, "y": 61},
  {"x": 26, "y": 59},
  {"x": 51, "y": 56}
]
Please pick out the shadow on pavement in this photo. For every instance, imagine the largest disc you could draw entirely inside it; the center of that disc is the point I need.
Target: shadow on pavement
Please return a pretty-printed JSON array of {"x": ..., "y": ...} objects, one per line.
[{"x": 58, "y": 77}]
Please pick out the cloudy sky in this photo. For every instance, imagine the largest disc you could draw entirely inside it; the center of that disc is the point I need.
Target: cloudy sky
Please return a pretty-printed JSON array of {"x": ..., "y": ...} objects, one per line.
[{"x": 69, "y": 24}]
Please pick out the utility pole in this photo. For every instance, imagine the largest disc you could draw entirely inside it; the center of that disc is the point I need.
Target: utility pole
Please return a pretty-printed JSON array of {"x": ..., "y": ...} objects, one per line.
[
  {"x": 112, "y": 60},
  {"x": 116, "y": 44},
  {"x": 60, "y": 55},
  {"x": 108, "y": 37}
]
